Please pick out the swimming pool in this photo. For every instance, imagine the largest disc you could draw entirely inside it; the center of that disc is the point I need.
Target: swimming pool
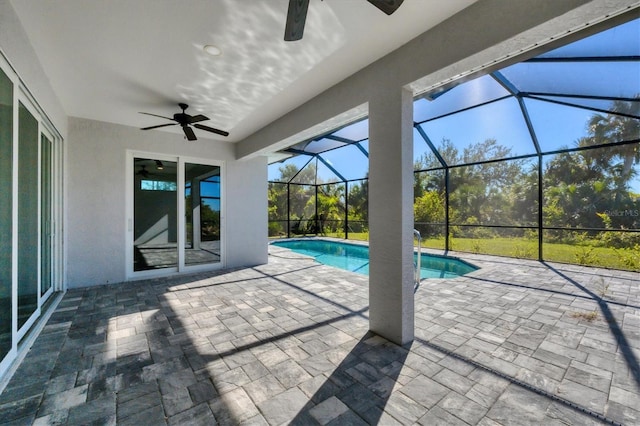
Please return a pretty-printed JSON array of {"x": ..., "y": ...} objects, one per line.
[{"x": 355, "y": 258}]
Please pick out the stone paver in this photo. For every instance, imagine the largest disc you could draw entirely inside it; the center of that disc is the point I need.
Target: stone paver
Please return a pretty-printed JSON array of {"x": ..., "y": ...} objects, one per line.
[{"x": 516, "y": 342}]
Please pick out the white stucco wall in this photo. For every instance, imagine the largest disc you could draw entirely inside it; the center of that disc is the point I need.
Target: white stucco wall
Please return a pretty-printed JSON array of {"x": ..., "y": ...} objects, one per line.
[
  {"x": 95, "y": 181},
  {"x": 96, "y": 198},
  {"x": 247, "y": 220}
]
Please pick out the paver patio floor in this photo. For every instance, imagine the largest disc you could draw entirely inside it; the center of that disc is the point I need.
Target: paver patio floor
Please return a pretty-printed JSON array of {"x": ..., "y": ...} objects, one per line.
[{"x": 516, "y": 342}]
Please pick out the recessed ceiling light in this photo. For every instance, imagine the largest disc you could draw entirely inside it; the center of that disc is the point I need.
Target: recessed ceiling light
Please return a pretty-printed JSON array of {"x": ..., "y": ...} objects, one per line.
[{"x": 212, "y": 50}]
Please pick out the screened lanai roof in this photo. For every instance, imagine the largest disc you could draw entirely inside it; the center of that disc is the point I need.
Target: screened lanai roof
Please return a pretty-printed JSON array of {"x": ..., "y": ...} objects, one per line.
[{"x": 542, "y": 105}]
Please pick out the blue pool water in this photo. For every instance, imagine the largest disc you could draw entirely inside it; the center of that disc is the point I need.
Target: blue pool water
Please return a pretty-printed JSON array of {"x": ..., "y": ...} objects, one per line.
[{"x": 355, "y": 258}]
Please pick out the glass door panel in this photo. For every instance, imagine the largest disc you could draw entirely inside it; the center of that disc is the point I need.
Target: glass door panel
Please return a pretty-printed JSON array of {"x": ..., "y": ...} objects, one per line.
[
  {"x": 155, "y": 204},
  {"x": 6, "y": 221},
  {"x": 27, "y": 215},
  {"x": 202, "y": 214},
  {"x": 46, "y": 239}
]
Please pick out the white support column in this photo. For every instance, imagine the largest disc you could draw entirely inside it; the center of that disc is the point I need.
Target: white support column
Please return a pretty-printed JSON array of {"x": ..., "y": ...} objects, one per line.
[{"x": 391, "y": 215}]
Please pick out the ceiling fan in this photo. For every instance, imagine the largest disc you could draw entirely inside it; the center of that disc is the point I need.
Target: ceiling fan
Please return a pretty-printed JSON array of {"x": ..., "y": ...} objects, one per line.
[
  {"x": 185, "y": 120},
  {"x": 143, "y": 172},
  {"x": 297, "y": 15}
]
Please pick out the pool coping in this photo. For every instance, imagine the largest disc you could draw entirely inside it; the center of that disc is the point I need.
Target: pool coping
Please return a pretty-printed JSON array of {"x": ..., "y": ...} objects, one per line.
[{"x": 427, "y": 251}]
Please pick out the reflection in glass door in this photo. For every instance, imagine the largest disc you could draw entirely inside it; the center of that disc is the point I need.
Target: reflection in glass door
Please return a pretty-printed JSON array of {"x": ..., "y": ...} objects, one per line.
[
  {"x": 202, "y": 214},
  {"x": 175, "y": 215},
  {"x": 27, "y": 215},
  {"x": 46, "y": 214},
  {"x": 6, "y": 216},
  {"x": 30, "y": 205},
  {"x": 155, "y": 202}
]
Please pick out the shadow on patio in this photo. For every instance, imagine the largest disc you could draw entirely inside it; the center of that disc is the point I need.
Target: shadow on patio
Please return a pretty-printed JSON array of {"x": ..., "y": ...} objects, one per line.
[{"x": 288, "y": 342}]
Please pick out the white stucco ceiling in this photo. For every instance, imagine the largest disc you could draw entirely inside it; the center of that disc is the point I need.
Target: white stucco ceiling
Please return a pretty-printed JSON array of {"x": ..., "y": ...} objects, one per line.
[{"x": 108, "y": 60}]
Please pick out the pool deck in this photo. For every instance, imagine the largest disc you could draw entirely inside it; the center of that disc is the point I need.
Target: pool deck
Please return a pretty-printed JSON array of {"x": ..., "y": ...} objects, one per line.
[{"x": 516, "y": 342}]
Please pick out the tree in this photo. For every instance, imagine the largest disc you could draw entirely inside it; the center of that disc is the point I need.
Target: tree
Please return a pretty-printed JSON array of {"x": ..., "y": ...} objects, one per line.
[
  {"x": 486, "y": 193},
  {"x": 581, "y": 184},
  {"x": 358, "y": 201},
  {"x": 429, "y": 208},
  {"x": 331, "y": 207},
  {"x": 614, "y": 127},
  {"x": 295, "y": 199}
]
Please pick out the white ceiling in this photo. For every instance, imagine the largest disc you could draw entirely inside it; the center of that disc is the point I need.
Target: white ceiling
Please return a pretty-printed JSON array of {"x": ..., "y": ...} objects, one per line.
[{"x": 108, "y": 60}]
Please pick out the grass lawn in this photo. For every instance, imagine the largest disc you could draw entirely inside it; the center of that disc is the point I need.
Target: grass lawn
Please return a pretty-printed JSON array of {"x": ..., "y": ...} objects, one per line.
[
  {"x": 358, "y": 236},
  {"x": 589, "y": 255}
]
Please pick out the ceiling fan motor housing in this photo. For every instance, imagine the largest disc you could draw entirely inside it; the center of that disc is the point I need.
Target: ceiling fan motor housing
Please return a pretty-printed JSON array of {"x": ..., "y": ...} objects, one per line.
[
  {"x": 181, "y": 118},
  {"x": 185, "y": 120}
]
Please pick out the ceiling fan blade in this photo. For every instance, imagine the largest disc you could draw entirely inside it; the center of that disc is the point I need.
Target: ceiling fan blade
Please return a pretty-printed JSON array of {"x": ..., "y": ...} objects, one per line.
[
  {"x": 156, "y": 115},
  {"x": 211, "y": 129},
  {"x": 387, "y": 6},
  {"x": 159, "y": 125},
  {"x": 188, "y": 132},
  {"x": 296, "y": 17},
  {"x": 197, "y": 118}
]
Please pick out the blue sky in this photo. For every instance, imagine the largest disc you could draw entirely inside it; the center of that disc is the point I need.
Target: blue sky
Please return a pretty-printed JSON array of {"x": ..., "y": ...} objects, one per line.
[{"x": 556, "y": 126}]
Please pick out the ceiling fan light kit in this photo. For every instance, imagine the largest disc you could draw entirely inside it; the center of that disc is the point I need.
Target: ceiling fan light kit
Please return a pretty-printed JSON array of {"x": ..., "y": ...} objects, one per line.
[{"x": 185, "y": 121}]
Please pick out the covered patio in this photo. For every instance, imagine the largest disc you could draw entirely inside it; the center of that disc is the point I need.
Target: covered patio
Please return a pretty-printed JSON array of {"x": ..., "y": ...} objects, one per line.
[
  {"x": 138, "y": 284},
  {"x": 516, "y": 342}
]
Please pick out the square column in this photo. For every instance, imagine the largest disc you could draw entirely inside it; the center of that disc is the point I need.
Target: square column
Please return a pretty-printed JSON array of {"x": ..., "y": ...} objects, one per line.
[{"x": 391, "y": 301}]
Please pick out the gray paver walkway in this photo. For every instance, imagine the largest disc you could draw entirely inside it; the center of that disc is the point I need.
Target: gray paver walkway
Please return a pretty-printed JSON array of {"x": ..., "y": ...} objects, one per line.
[{"x": 516, "y": 342}]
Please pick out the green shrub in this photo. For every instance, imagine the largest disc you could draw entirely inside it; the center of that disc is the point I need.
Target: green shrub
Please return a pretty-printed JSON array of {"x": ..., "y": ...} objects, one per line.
[
  {"x": 523, "y": 252},
  {"x": 585, "y": 256},
  {"x": 630, "y": 257},
  {"x": 276, "y": 229}
]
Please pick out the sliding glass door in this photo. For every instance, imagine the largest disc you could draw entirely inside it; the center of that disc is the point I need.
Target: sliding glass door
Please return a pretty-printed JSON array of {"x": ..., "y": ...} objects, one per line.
[
  {"x": 27, "y": 215},
  {"x": 30, "y": 206},
  {"x": 155, "y": 203},
  {"x": 6, "y": 214},
  {"x": 47, "y": 246},
  {"x": 175, "y": 215},
  {"x": 202, "y": 214}
]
